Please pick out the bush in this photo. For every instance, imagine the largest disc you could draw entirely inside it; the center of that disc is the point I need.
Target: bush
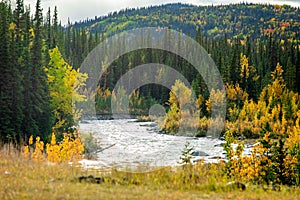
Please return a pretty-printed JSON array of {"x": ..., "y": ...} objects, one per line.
[{"x": 70, "y": 149}]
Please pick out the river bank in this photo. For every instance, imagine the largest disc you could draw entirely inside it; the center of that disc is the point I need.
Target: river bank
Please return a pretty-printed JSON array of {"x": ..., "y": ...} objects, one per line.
[{"x": 24, "y": 179}]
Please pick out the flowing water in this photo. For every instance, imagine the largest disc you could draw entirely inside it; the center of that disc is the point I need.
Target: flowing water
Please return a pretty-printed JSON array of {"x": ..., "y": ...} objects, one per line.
[{"x": 133, "y": 144}]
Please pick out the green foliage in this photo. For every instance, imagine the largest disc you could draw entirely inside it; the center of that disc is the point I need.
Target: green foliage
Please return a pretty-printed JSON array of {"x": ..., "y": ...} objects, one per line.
[
  {"x": 245, "y": 52},
  {"x": 186, "y": 154},
  {"x": 216, "y": 21},
  {"x": 24, "y": 93},
  {"x": 64, "y": 84},
  {"x": 229, "y": 151},
  {"x": 10, "y": 80}
]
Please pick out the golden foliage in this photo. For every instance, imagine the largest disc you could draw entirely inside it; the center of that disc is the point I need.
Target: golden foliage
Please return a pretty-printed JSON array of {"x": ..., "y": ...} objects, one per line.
[
  {"x": 261, "y": 165},
  {"x": 70, "y": 149},
  {"x": 216, "y": 99},
  {"x": 37, "y": 154},
  {"x": 277, "y": 108},
  {"x": 235, "y": 92},
  {"x": 245, "y": 71},
  {"x": 182, "y": 111}
]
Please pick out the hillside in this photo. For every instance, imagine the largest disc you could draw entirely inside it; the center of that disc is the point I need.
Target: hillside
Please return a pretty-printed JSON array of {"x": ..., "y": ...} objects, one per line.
[{"x": 214, "y": 21}]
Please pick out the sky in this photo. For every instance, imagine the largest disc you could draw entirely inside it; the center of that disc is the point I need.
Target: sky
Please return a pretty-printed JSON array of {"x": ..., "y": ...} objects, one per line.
[{"x": 77, "y": 10}]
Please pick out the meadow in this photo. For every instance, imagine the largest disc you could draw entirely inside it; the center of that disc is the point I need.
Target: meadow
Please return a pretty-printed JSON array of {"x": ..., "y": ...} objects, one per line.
[{"x": 21, "y": 178}]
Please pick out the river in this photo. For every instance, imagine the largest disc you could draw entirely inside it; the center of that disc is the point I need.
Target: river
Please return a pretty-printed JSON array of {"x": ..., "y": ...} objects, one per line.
[{"x": 137, "y": 144}]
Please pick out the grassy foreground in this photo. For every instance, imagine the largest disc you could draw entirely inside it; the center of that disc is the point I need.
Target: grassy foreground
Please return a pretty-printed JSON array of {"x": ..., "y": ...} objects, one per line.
[{"x": 24, "y": 179}]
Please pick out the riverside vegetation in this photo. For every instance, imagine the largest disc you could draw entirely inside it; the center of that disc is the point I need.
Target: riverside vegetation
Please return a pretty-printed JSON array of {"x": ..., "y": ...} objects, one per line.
[
  {"x": 27, "y": 179},
  {"x": 260, "y": 68}
]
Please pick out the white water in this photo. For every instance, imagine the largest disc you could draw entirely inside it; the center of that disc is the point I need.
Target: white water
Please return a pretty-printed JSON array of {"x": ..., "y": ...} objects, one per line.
[{"x": 137, "y": 144}]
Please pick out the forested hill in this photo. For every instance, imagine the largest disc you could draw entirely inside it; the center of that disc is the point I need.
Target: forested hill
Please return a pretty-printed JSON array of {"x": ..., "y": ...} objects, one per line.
[{"x": 214, "y": 21}]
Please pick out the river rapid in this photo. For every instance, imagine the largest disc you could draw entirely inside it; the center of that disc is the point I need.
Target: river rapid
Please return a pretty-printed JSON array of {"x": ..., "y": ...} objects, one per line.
[{"x": 138, "y": 144}]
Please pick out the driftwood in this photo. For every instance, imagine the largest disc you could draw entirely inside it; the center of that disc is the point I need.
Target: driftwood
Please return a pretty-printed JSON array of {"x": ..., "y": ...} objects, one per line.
[
  {"x": 91, "y": 154},
  {"x": 102, "y": 149}
]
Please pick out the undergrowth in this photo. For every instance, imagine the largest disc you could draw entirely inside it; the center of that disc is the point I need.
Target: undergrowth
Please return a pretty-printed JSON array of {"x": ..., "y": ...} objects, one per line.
[{"x": 21, "y": 178}]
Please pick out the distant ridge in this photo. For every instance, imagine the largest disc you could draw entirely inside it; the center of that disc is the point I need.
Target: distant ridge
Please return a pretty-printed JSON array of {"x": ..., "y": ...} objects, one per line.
[{"x": 244, "y": 20}]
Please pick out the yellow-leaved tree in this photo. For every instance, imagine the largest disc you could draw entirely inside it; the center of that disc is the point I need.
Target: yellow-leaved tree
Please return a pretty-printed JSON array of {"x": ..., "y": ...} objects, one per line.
[
  {"x": 248, "y": 76},
  {"x": 64, "y": 84},
  {"x": 182, "y": 111}
]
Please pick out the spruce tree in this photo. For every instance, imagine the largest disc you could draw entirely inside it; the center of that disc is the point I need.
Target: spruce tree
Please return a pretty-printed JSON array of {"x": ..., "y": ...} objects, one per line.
[
  {"x": 5, "y": 113},
  {"x": 29, "y": 126},
  {"x": 39, "y": 94}
]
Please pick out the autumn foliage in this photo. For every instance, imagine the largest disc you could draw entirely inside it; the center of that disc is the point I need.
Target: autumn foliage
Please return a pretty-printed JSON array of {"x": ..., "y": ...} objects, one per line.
[
  {"x": 70, "y": 149},
  {"x": 273, "y": 119}
]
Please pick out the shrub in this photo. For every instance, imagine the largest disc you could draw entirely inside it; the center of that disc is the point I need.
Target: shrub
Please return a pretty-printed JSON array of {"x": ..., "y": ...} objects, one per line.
[{"x": 70, "y": 149}]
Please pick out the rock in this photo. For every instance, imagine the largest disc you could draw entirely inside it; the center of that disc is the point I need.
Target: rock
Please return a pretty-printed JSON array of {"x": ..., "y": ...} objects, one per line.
[
  {"x": 148, "y": 124},
  {"x": 236, "y": 185},
  {"x": 199, "y": 153},
  {"x": 222, "y": 138},
  {"x": 162, "y": 132},
  {"x": 216, "y": 157},
  {"x": 91, "y": 179},
  {"x": 276, "y": 187},
  {"x": 99, "y": 180},
  {"x": 51, "y": 180},
  {"x": 197, "y": 160},
  {"x": 242, "y": 137},
  {"x": 220, "y": 144},
  {"x": 7, "y": 173},
  {"x": 84, "y": 122}
]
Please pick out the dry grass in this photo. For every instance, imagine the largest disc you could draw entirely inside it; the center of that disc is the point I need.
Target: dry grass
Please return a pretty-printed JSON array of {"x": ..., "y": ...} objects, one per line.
[{"x": 23, "y": 179}]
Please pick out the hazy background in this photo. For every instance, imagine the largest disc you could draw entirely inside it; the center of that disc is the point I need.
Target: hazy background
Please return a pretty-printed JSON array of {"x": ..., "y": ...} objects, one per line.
[{"x": 78, "y": 10}]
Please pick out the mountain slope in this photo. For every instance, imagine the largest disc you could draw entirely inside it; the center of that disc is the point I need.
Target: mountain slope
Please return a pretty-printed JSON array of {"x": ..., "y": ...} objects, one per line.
[{"x": 214, "y": 21}]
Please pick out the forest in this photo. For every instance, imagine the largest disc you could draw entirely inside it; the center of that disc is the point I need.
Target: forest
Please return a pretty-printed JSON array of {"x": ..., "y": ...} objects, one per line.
[
  {"x": 256, "y": 48},
  {"x": 35, "y": 79}
]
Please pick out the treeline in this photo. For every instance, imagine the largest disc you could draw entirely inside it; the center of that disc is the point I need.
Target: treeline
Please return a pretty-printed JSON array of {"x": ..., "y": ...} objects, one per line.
[
  {"x": 270, "y": 37},
  {"x": 262, "y": 53}
]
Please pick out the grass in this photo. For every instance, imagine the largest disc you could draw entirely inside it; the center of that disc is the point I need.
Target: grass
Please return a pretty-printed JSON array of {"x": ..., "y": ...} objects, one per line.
[{"x": 25, "y": 179}]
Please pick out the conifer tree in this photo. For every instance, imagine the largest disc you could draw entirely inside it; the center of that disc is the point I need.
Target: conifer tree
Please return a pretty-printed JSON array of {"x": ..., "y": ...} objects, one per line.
[
  {"x": 29, "y": 126},
  {"x": 39, "y": 93},
  {"x": 5, "y": 112},
  {"x": 13, "y": 80},
  {"x": 55, "y": 27}
]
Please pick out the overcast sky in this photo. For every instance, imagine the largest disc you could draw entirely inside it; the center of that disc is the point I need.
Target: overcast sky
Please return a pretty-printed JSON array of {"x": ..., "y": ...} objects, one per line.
[{"x": 81, "y": 9}]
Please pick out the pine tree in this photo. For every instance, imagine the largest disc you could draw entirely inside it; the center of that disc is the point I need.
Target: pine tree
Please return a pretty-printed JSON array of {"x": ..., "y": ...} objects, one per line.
[
  {"x": 5, "y": 113},
  {"x": 14, "y": 80},
  {"x": 235, "y": 62},
  {"x": 39, "y": 94},
  {"x": 298, "y": 69},
  {"x": 29, "y": 126},
  {"x": 19, "y": 22},
  {"x": 10, "y": 95},
  {"x": 55, "y": 28},
  {"x": 48, "y": 30},
  {"x": 290, "y": 75}
]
